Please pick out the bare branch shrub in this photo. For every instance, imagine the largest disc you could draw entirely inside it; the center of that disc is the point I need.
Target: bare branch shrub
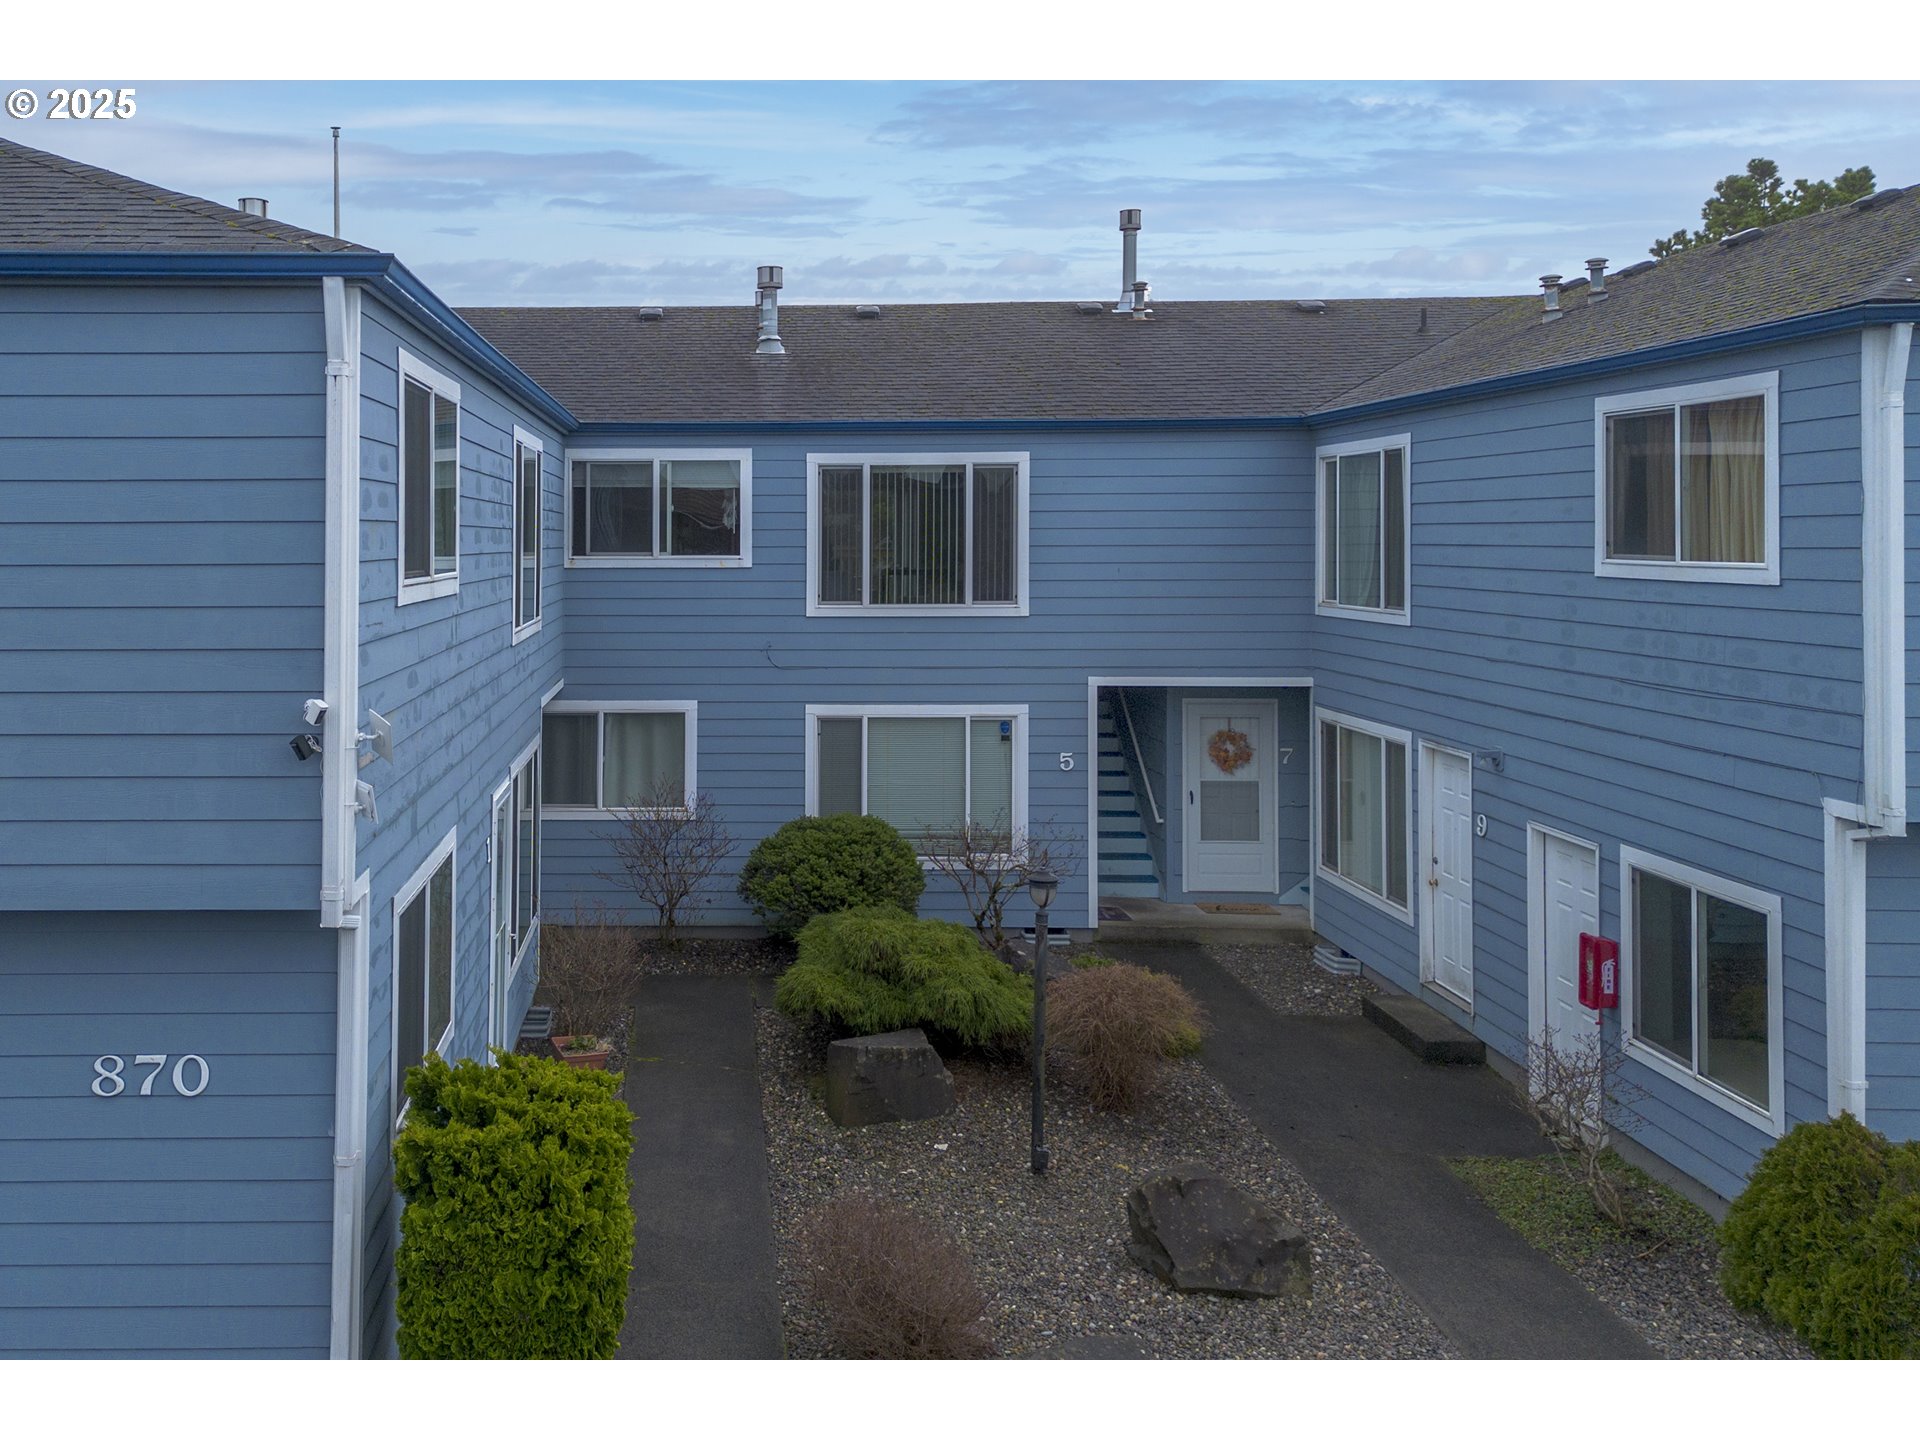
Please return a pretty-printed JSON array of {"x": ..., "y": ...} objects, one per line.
[
  {"x": 1578, "y": 1094},
  {"x": 1113, "y": 1027},
  {"x": 989, "y": 860},
  {"x": 669, "y": 846},
  {"x": 587, "y": 969},
  {"x": 891, "y": 1286}
]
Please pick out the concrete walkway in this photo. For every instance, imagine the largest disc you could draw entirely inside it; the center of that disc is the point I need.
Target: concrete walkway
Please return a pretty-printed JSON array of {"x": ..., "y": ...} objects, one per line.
[
  {"x": 703, "y": 1270},
  {"x": 1370, "y": 1126}
]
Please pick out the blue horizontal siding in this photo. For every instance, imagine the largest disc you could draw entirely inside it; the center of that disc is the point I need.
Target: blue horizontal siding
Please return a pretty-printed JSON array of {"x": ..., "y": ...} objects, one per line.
[{"x": 1893, "y": 987}]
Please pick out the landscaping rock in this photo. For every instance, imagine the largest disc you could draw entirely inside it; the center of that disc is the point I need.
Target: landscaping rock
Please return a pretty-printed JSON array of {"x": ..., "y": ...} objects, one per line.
[
  {"x": 895, "y": 1076},
  {"x": 1197, "y": 1231}
]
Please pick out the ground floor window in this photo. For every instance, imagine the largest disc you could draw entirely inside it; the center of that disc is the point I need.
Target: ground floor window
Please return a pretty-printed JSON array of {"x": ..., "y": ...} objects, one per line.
[
  {"x": 1702, "y": 978},
  {"x": 618, "y": 755},
  {"x": 925, "y": 772},
  {"x": 1365, "y": 799},
  {"x": 423, "y": 966}
]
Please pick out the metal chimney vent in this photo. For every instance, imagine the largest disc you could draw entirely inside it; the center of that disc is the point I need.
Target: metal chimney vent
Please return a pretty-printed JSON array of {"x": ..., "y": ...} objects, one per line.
[
  {"x": 1550, "y": 288},
  {"x": 766, "y": 297},
  {"x": 1130, "y": 287},
  {"x": 1597, "y": 277},
  {"x": 254, "y": 205}
]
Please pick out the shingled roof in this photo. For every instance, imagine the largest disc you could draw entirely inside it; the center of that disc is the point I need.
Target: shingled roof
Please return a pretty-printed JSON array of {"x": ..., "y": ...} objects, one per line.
[
  {"x": 49, "y": 203},
  {"x": 1041, "y": 360}
]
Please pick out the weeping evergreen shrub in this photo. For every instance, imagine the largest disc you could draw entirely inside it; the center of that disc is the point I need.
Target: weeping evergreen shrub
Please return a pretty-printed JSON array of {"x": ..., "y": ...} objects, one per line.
[
  {"x": 819, "y": 864},
  {"x": 517, "y": 1234},
  {"x": 1826, "y": 1239},
  {"x": 875, "y": 969}
]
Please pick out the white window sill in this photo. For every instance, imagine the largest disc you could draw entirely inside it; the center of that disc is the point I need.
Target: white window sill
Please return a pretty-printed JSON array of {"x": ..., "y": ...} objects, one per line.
[
  {"x": 815, "y": 610},
  {"x": 594, "y": 812},
  {"x": 412, "y": 592},
  {"x": 660, "y": 562},
  {"x": 1402, "y": 913},
  {"x": 1693, "y": 571},
  {"x": 1755, "y": 1115},
  {"x": 527, "y": 631},
  {"x": 1361, "y": 612}
]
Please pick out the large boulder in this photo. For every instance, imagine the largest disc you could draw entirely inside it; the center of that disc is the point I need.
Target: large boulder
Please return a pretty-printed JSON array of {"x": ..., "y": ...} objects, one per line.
[
  {"x": 895, "y": 1076},
  {"x": 1197, "y": 1231}
]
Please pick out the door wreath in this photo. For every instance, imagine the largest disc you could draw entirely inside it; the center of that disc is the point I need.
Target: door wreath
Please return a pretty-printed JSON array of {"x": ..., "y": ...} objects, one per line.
[{"x": 1230, "y": 750}]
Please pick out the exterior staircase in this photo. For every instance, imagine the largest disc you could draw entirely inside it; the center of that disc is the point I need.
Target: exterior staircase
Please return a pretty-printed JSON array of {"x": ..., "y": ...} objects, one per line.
[{"x": 1125, "y": 859}]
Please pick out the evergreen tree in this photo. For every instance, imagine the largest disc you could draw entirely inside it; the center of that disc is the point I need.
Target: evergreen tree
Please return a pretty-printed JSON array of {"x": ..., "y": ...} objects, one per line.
[{"x": 1758, "y": 197}]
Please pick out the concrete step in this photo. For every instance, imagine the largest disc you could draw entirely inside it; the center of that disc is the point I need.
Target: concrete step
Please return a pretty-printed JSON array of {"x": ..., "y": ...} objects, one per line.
[
  {"x": 1423, "y": 1030},
  {"x": 1133, "y": 889}
]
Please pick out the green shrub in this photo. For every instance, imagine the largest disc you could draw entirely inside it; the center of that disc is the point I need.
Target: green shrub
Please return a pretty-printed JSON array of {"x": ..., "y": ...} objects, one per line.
[
  {"x": 1826, "y": 1239},
  {"x": 819, "y": 864},
  {"x": 877, "y": 969},
  {"x": 517, "y": 1234}
]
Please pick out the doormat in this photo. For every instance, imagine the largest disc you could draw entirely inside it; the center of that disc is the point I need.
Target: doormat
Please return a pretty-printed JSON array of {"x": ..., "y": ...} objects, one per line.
[
  {"x": 1113, "y": 912},
  {"x": 1216, "y": 907}
]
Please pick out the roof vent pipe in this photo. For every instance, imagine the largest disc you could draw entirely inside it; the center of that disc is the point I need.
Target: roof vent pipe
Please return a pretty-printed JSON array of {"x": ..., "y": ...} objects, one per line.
[
  {"x": 767, "y": 298},
  {"x": 1141, "y": 310},
  {"x": 254, "y": 205},
  {"x": 1597, "y": 277},
  {"x": 1129, "y": 260},
  {"x": 1550, "y": 287}
]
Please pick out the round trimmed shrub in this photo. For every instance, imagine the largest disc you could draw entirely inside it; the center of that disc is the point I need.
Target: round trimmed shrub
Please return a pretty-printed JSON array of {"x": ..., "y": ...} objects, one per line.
[
  {"x": 1114, "y": 1026},
  {"x": 876, "y": 969},
  {"x": 517, "y": 1234},
  {"x": 891, "y": 1286},
  {"x": 822, "y": 863}
]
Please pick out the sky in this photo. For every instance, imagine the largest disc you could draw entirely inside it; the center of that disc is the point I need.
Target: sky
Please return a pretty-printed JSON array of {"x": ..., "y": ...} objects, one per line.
[{"x": 671, "y": 192}]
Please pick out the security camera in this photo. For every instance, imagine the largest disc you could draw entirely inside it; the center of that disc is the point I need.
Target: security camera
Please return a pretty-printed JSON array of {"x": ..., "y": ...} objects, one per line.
[
  {"x": 305, "y": 747},
  {"x": 315, "y": 711}
]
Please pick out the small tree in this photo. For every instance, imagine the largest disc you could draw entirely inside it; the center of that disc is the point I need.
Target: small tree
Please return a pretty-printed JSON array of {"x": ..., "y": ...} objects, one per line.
[
  {"x": 1578, "y": 1095},
  {"x": 989, "y": 860},
  {"x": 1758, "y": 197},
  {"x": 669, "y": 846}
]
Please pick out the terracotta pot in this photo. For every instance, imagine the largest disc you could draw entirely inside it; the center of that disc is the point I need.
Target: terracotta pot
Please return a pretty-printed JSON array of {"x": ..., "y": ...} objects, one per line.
[{"x": 594, "y": 1059}]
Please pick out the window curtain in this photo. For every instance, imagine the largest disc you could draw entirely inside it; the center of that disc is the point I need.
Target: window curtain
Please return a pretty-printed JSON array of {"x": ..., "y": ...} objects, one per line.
[
  {"x": 644, "y": 753},
  {"x": 837, "y": 782},
  {"x": 917, "y": 535},
  {"x": 996, "y": 539},
  {"x": 700, "y": 507},
  {"x": 1359, "y": 531},
  {"x": 571, "y": 744},
  {"x": 1663, "y": 965},
  {"x": 991, "y": 802},
  {"x": 1362, "y": 833},
  {"x": 446, "y": 485},
  {"x": 416, "y": 479},
  {"x": 618, "y": 507},
  {"x": 841, "y": 579},
  {"x": 1724, "y": 488},
  {"x": 1640, "y": 469},
  {"x": 916, "y": 773}
]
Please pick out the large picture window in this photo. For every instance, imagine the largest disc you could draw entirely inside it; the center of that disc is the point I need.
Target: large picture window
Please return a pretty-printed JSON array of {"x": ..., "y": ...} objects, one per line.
[
  {"x": 1364, "y": 543},
  {"x": 1364, "y": 802},
  {"x": 665, "y": 507},
  {"x": 527, "y": 494},
  {"x": 423, "y": 966},
  {"x": 618, "y": 756},
  {"x": 1702, "y": 981},
  {"x": 917, "y": 534},
  {"x": 925, "y": 772},
  {"x": 429, "y": 509},
  {"x": 1687, "y": 482}
]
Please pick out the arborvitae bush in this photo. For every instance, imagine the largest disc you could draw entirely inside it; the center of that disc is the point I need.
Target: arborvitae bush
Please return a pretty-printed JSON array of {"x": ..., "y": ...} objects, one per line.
[
  {"x": 517, "y": 1234},
  {"x": 1114, "y": 1026},
  {"x": 819, "y": 864},
  {"x": 891, "y": 1286},
  {"x": 1826, "y": 1239},
  {"x": 876, "y": 969}
]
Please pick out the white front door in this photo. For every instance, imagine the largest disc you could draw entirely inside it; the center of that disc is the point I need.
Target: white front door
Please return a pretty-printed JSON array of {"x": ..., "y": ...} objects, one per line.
[
  {"x": 1563, "y": 900},
  {"x": 1232, "y": 802},
  {"x": 1447, "y": 851}
]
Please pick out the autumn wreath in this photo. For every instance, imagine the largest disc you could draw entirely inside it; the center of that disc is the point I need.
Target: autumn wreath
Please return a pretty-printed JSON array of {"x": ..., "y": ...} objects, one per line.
[{"x": 1230, "y": 750}]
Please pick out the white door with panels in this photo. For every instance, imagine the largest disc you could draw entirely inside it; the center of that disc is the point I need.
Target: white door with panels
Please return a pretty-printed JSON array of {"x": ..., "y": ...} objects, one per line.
[
  {"x": 1446, "y": 838},
  {"x": 1563, "y": 901},
  {"x": 1232, "y": 818}
]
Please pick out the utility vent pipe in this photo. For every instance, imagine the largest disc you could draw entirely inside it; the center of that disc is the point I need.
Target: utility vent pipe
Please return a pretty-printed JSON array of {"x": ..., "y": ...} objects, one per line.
[
  {"x": 1550, "y": 288},
  {"x": 1597, "y": 276},
  {"x": 1129, "y": 260},
  {"x": 1141, "y": 310},
  {"x": 767, "y": 298},
  {"x": 254, "y": 205}
]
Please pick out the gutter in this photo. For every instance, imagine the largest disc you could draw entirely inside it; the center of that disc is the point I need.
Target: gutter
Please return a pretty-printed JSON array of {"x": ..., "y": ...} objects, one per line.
[{"x": 1884, "y": 352}]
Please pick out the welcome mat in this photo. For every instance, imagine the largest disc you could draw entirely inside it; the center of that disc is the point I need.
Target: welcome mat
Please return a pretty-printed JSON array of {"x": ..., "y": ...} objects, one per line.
[
  {"x": 1113, "y": 912},
  {"x": 1216, "y": 907}
]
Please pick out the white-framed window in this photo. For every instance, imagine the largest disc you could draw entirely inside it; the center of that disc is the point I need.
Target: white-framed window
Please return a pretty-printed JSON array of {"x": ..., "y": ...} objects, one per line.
[
  {"x": 424, "y": 966},
  {"x": 1363, "y": 511},
  {"x": 925, "y": 769},
  {"x": 513, "y": 855},
  {"x": 529, "y": 454},
  {"x": 1700, "y": 984},
  {"x": 1687, "y": 482},
  {"x": 689, "y": 509},
  {"x": 429, "y": 471},
  {"x": 1363, "y": 799},
  {"x": 917, "y": 534},
  {"x": 604, "y": 756}
]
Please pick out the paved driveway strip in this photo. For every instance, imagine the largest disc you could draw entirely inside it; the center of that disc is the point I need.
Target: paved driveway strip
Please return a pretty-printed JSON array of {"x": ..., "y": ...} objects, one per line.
[
  {"x": 1370, "y": 1127},
  {"x": 703, "y": 1283}
]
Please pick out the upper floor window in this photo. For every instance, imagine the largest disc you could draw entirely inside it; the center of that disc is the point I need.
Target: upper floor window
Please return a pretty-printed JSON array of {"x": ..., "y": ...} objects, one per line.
[
  {"x": 1688, "y": 484},
  {"x": 687, "y": 508},
  {"x": 1364, "y": 542},
  {"x": 1365, "y": 800},
  {"x": 527, "y": 492},
  {"x": 917, "y": 534},
  {"x": 429, "y": 511}
]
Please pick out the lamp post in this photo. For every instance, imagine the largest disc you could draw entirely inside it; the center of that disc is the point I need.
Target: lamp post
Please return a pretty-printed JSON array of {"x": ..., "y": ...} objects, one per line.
[{"x": 1041, "y": 886}]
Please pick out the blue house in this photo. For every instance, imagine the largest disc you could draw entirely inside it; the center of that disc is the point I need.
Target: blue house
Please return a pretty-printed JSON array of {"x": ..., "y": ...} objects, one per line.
[{"x": 336, "y": 625}]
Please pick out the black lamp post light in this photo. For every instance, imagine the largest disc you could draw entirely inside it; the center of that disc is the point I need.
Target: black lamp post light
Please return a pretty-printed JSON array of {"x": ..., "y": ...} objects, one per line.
[{"x": 1042, "y": 885}]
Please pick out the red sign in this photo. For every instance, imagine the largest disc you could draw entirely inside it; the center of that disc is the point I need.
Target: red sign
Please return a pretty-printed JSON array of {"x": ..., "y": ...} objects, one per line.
[{"x": 1599, "y": 972}]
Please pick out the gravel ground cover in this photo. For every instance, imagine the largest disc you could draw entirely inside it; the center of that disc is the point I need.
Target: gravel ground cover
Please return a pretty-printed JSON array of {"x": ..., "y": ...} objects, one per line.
[
  {"x": 1661, "y": 1278},
  {"x": 1050, "y": 1252},
  {"x": 1282, "y": 973},
  {"x": 761, "y": 956}
]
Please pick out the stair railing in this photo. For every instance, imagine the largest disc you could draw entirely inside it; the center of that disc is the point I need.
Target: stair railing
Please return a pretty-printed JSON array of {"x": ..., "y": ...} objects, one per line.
[{"x": 1139, "y": 761}]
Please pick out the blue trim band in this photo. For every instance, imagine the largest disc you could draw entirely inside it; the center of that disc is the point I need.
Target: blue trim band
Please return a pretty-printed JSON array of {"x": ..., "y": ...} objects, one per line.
[{"x": 604, "y": 429}]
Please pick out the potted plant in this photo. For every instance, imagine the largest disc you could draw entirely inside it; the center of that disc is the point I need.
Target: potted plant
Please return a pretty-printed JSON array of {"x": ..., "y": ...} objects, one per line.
[{"x": 583, "y": 1052}]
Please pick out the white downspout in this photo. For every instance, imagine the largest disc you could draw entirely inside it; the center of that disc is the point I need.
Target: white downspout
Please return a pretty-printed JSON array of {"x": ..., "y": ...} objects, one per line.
[
  {"x": 343, "y": 900},
  {"x": 1883, "y": 577},
  {"x": 1846, "y": 950}
]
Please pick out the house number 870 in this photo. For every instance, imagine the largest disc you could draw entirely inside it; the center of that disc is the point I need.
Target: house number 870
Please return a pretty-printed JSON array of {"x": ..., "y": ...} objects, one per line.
[{"x": 110, "y": 1077}]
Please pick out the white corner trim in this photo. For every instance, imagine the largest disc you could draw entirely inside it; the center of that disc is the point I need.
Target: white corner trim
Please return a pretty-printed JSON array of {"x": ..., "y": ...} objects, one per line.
[
  {"x": 1884, "y": 355},
  {"x": 1330, "y": 609},
  {"x": 1846, "y": 952}
]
